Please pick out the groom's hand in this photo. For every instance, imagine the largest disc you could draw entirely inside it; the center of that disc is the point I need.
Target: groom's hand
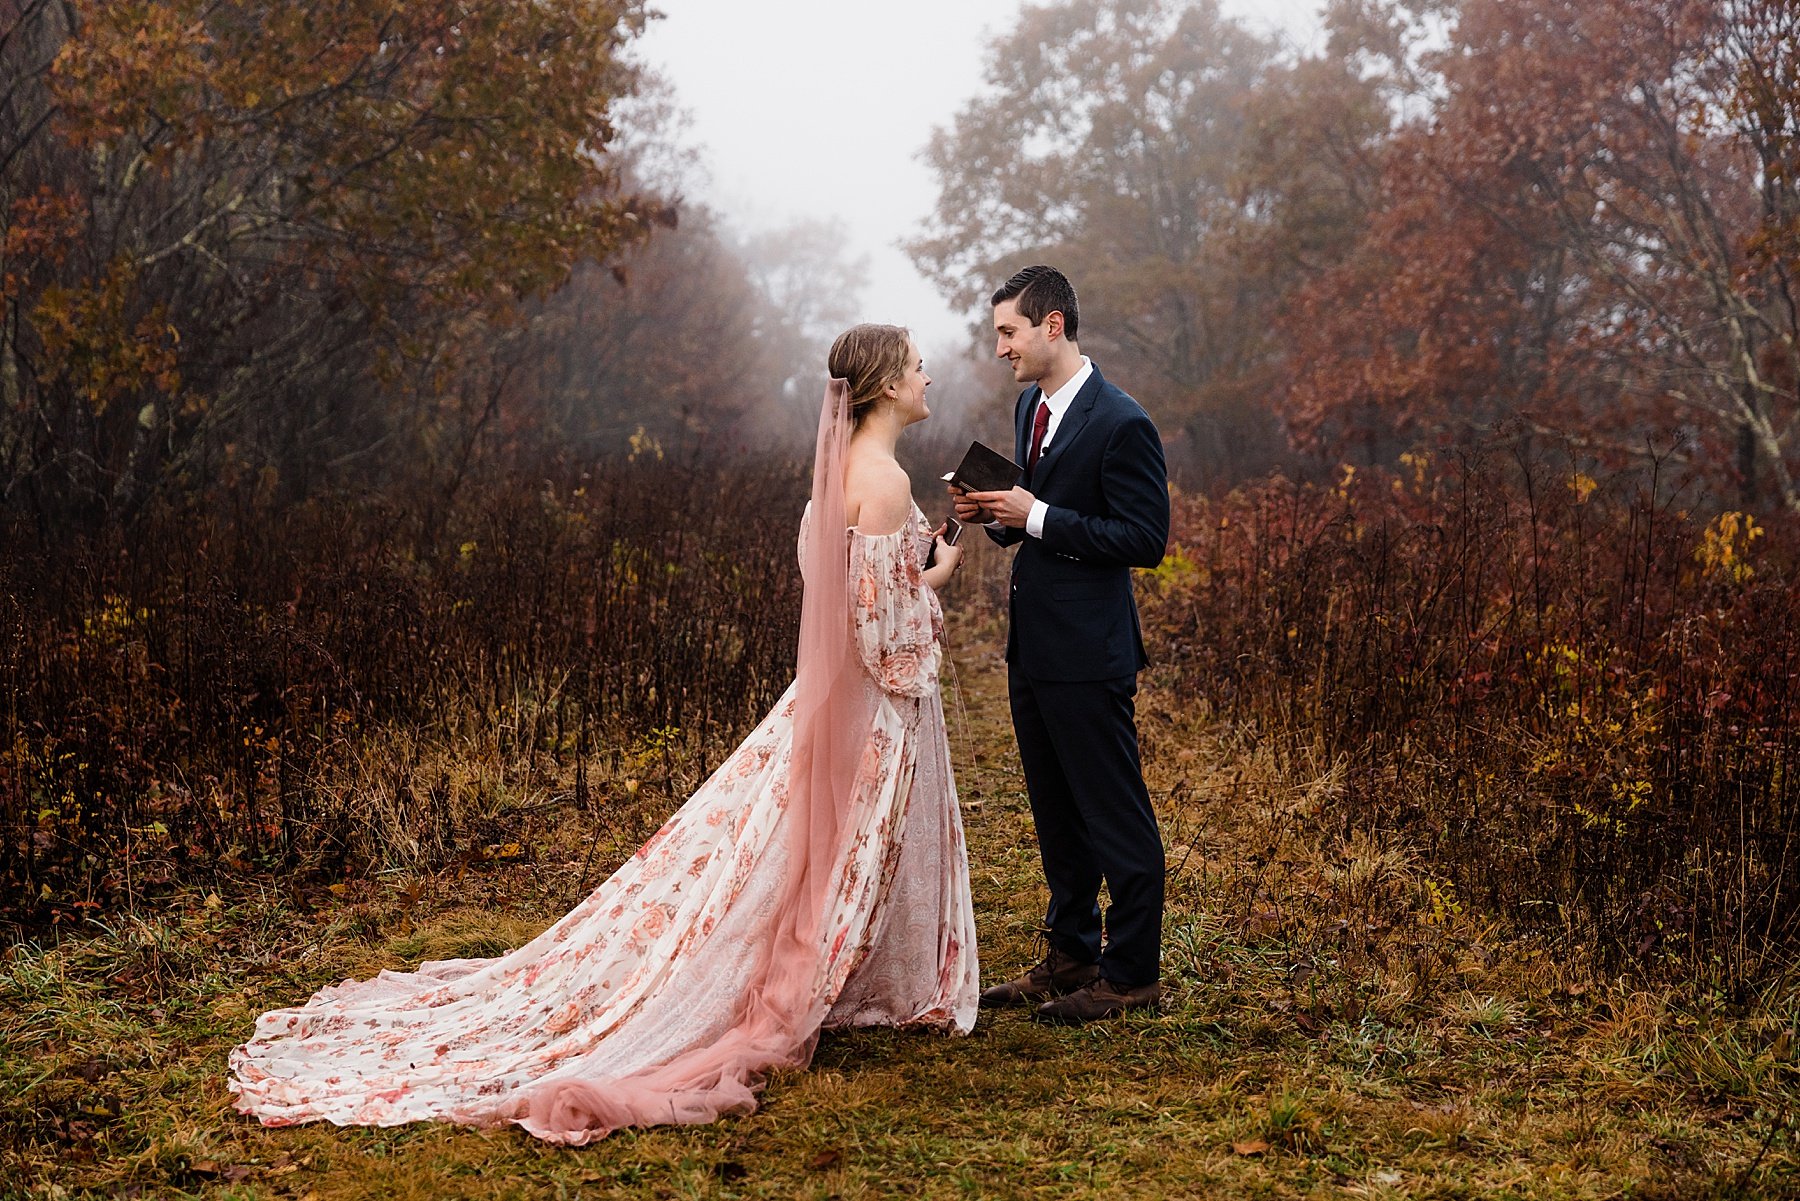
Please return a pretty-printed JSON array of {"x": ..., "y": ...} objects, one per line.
[
  {"x": 967, "y": 511},
  {"x": 1008, "y": 508}
]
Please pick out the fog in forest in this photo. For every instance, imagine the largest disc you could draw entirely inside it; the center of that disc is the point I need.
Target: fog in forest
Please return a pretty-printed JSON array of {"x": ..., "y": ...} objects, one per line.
[
  {"x": 456, "y": 379},
  {"x": 405, "y": 424}
]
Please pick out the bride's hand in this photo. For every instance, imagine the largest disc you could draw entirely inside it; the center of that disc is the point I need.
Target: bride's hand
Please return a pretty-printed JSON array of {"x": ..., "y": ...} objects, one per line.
[
  {"x": 966, "y": 509},
  {"x": 945, "y": 555}
]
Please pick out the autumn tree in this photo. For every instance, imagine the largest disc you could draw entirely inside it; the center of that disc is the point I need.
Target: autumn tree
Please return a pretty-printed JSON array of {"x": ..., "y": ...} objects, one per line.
[
  {"x": 255, "y": 236},
  {"x": 698, "y": 337},
  {"x": 659, "y": 350},
  {"x": 1112, "y": 142},
  {"x": 810, "y": 291},
  {"x": 1585, "y": 232}
]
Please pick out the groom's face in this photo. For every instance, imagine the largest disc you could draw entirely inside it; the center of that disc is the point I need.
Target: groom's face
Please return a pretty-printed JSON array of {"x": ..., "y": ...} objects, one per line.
[{"x": 1019, "y": 342}]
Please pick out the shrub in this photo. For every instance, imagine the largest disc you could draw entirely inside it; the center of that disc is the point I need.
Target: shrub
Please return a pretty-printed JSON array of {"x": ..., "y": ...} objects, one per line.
[
  {"x": 1575, "y": 696},
  {"x": 350, "y": 681}
]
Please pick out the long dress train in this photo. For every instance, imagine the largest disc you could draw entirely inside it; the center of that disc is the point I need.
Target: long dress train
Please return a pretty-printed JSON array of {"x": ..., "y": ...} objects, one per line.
[{"x": 600, "y": 1021}]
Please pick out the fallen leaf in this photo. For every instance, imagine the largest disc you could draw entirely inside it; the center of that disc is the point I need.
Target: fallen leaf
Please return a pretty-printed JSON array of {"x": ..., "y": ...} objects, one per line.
[
  {"x": 106, "y": 1107},
  {"x": 1255, "y": 1146}
]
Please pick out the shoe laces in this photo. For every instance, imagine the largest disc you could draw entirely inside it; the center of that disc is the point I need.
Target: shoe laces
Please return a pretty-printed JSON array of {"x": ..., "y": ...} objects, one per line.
[{"x": 1042, "y": 949}]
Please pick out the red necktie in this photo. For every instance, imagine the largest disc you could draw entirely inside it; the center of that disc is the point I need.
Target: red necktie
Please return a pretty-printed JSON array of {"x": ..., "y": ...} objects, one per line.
[{"x": 1040, "y": 422}]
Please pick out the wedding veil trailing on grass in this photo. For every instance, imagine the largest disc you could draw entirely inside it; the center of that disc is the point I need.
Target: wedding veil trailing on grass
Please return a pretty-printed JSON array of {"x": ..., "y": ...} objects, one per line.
[{"x": 784, "y": 1001}]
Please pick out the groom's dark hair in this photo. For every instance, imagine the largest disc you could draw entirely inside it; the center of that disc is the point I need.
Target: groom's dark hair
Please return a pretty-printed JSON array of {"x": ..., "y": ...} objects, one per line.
[{"x": 1041, "y": 291}]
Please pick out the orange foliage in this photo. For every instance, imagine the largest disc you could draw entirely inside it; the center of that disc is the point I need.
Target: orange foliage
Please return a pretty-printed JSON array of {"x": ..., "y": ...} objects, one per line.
[
  {"x": 90, "y": 338},
  {"x": 1576, "y": 699},
  {"x": 272, "y": 210},
  {"x": 1571, "y": 235}
]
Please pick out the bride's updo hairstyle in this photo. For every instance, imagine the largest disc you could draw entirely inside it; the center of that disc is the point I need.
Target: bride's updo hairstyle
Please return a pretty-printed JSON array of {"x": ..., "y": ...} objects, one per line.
[{"x": 868, "y": 358}]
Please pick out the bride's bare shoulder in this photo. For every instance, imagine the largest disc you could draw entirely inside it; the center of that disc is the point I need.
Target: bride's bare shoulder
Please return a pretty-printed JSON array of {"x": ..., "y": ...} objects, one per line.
[{"x": 877, "y": 495}]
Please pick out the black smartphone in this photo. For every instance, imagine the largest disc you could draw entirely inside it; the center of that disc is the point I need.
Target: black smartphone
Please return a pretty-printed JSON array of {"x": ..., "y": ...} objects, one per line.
[{"x": 952, "y": 531}]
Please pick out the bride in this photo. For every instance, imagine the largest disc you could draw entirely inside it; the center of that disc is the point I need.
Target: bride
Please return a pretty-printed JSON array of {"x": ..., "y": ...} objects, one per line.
[{"x": 817, "y": 879}]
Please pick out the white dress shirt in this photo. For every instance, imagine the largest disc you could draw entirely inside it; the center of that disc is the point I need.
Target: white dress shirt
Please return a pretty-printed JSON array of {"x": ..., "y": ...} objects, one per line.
[{"x": 1058, "y": 404}]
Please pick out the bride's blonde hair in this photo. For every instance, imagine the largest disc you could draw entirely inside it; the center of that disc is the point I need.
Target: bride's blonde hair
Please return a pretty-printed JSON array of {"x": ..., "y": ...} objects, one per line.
[{"x": 868, "y": 358}]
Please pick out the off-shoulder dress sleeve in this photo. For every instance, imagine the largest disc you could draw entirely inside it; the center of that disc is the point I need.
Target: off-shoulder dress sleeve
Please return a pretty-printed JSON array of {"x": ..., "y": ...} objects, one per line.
[{"x": 899, "y": 626}]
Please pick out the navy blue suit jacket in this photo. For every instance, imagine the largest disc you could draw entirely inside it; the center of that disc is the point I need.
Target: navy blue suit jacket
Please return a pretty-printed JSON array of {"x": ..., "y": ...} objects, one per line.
[{"x": 1072, "y": 613}]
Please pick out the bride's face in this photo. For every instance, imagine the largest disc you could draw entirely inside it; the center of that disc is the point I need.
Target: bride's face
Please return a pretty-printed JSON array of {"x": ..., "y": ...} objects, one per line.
[{"x": 909, "y": 390}]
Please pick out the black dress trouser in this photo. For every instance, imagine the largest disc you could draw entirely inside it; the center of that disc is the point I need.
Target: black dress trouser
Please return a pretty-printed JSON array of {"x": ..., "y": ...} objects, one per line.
[{"x": 1078, "y": 745}]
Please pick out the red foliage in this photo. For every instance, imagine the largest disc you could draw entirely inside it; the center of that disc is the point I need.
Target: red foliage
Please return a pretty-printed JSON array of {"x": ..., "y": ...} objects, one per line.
[
  {"x": 1581, "y": 702},
  {"x": 1582, "y": 233}
]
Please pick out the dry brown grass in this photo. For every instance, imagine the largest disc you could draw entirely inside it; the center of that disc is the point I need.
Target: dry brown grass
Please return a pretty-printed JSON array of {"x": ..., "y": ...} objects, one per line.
[
  {"x": 1573, "y": 699},
  {"x": 1337, "y": 1024},
  {"x": 373, "y": 681}
]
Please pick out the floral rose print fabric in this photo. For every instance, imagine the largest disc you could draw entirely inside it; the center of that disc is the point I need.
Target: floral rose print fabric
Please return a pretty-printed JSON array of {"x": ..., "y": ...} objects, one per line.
[{"x": 654, "y": 961}]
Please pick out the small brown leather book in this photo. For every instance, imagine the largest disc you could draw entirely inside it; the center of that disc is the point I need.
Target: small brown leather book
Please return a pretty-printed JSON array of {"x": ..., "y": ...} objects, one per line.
[{"x": 984, "y": 469}]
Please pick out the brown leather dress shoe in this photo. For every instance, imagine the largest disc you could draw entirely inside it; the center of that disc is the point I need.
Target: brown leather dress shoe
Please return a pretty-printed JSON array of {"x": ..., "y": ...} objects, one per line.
[
  {"x": 1056, "y": 975},
  {"x": 1101, "y": 999}
]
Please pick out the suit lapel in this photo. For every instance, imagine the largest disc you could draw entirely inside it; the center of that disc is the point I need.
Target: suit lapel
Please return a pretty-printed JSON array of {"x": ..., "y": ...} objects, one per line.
[{"x": 1080, "y": 409}]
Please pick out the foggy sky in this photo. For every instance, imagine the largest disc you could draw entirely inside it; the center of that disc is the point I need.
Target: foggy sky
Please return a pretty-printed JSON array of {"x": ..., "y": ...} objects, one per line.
[{"x": 819, "y": 109}]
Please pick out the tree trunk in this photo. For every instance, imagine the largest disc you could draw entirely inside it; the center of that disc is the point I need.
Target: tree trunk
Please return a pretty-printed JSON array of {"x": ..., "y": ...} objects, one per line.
[{"x": 1746, "y": 464}]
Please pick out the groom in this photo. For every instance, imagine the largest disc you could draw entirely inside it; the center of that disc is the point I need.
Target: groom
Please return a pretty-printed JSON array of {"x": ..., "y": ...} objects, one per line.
[{"x": 1093, "y": 503}]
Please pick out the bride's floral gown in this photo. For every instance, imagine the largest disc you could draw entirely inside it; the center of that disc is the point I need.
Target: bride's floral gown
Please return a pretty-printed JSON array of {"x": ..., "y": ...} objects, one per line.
[{"x": 651, "y": 963}]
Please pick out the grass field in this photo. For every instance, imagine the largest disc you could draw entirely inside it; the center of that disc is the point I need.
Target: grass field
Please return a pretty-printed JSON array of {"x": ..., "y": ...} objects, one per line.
[{"x": 1335, "y": 1023}]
